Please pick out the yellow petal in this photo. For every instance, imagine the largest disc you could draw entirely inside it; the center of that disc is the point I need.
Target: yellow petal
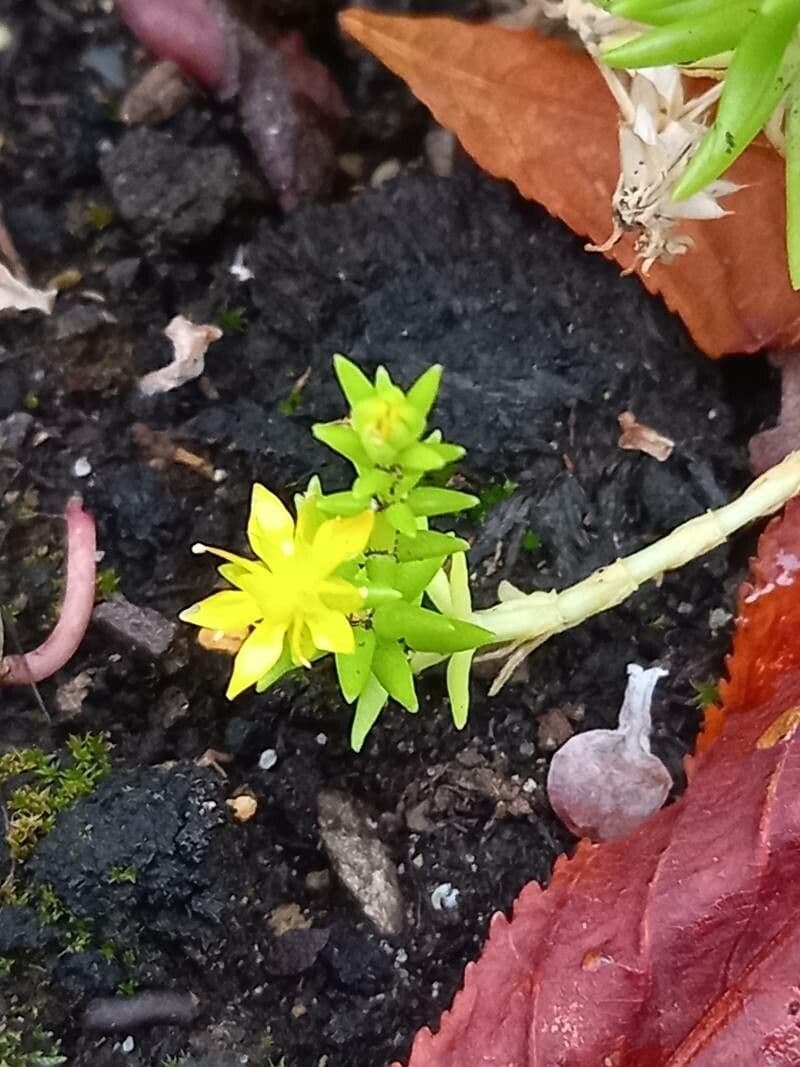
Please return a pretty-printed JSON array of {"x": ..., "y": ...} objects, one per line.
[
  {"x": 309, "y": 517},
  {"x": 258, "y": 654},
  {"x": 299, "y": 643},
  {"x": 270, "y": 528},
  {"x": 341, "y": 595},
  {"x": 338, "y": 540},
  {"x": 238, "y": 561},
  {"x": 228, "y": 611},
  {"x": 331, "y": 632}
]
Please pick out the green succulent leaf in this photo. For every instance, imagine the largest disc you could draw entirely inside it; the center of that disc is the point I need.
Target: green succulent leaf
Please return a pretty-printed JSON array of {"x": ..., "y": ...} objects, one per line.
[
  {"x": 756, "y": 80},
  {"x": 662, "y": 12},
  {"x": 372, "y": 483},
  {"x": 428, "y": 543},
  {"x": 344, "y": 504},
  {"x": 412, "y": 578},
  {"x": 423, "y": 392},
  {"x": 427, "y": 631},
  {"x": 447, "y": 453},
  {"x": 355, "y": 385},
  {"x": 459, "y": 585},
  {"x": 429, "y": 500},
  {"x": 459, "y": 667},
  {"x": 793, "y": 184},
  {"x": 342, "y": 439},
  {"x": 684, "y": 41},
  {"x": 370, "y": 704},
  {"x": 422, "y": 457},
  {"x": 353, "y": 670},
  {"x": 380, "y": 594},
  {"x": 391, "y": 667},
  {"x": 402, "y": 518}
]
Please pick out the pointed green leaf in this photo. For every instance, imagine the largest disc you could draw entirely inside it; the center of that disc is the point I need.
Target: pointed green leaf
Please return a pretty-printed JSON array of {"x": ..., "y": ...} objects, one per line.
[
  {"x": 760, "y": 71},
  {"x": 793, "y": 185},
  {"x": 383, "y": 379},
  {"x": 427, "y": 631},
  {"x": 370, "y": 704},
  {"x": 420, "y": 457},
  {"x": 662, "y": 12},
  {"x": 342, "y": 439},
  {"x": 438, "y": 589},
  {"x": 354, "y": 383},
  {"x": 380, "y": 594},
  {"x": 342, "y": 504},
  {"x": 429, "y": 500},
  {"x": 458, "y": 672},
  {"x": 383, "y": 534},
  {"x": 684, "y": 41},
  {"x": 447, "y": 452},
  {"x": 422, "y": 393},
  {"x": 459, "y": 585},
  {"x": 372, "y": 482},
  {"x": 381, "y": 569},
  {"x": 402, "y": 518},
  {"x": 353, "y": 670},
  {"x": 412, "y": 579},
  {"x": 428, "y": 543},
  {"x": 391, "y": 667}
]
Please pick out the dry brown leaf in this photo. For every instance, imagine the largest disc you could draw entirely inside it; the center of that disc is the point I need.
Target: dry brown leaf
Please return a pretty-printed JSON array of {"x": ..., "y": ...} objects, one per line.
[
  {"x": 533, "y": 110},
  {"x": 16, "y": 295},
  {"x": 190, "y": 343},
  {"x": 638, "y": 437}
]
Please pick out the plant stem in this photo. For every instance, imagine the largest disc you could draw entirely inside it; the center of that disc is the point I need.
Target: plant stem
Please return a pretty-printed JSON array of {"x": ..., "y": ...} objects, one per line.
[
  {"x": 539, "y": 615},
  {"x": 76, "y": 611}
]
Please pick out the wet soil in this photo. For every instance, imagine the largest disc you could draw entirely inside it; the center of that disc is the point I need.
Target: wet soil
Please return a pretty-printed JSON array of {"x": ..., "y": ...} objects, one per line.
[{"x": 543, "y": 346}]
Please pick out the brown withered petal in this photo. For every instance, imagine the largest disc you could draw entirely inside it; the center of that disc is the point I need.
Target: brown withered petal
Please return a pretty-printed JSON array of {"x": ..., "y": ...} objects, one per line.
[{"x": 638, "y": 437}]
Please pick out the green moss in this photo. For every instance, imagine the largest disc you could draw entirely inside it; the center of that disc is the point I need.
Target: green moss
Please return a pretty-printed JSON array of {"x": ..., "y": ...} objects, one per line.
[
  {"x": 491, "y": 496},
  {"x": 122, "y": 875},
  {"x": 232, "y": 320},
  {"x": 24, "y": 1042},
  {"x": 32, "y": 807},
  {"x": 107, "y": 583}
]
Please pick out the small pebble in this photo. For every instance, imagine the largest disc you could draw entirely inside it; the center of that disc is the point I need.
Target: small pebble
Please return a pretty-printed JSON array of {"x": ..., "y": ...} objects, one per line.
[
  {"x": 81, "y": 468},
  {"x": 268, "y": 759},
  {"x": 322, "y": 739},
  {"x": 128, "y": 1045},
  {"x": 444, "y": 896}
]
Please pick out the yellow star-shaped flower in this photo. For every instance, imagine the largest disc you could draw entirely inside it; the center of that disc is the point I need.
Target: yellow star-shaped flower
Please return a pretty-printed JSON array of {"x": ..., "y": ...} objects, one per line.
[{"x": 290, "y": 595}]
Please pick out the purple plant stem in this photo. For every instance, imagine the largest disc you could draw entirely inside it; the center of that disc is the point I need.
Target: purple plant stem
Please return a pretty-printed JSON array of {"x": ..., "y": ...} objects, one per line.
[{"x": 76, "y": 611}]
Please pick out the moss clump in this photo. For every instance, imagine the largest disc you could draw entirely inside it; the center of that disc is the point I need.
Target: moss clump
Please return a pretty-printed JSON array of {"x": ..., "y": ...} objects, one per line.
[
  {"x": 32, "y": 807},
  {"x": 24, "y": 1042}
]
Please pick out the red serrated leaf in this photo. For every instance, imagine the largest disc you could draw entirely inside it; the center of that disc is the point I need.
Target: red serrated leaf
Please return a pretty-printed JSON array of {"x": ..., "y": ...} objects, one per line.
[
  {"x": 680, "y": 944},
  {"x": 530, "y": 109}
]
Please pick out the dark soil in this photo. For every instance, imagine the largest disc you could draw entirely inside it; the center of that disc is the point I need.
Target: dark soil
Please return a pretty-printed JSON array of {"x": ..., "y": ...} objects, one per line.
[{"x": 543, "y": 346}]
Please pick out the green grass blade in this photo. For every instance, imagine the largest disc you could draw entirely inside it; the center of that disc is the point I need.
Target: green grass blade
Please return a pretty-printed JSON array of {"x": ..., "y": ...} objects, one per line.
[
  {"x": 682, "y": 42},
  {"x": 759, "y": 74},
  {"x": 793, "y": 186}
]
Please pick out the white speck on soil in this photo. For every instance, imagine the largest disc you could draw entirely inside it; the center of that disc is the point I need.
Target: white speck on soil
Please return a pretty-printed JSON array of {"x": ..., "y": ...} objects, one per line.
[
  {"x": 81, "y": 468},
  {"x": 268, "y": 759},
  {"x": 128, "y": 1045},
  {"x": 444, "y": 896}
]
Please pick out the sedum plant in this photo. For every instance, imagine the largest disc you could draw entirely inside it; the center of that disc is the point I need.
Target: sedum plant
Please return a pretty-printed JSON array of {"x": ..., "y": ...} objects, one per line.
[
  {"x": 359, "y": 575},
  {"x": 755, "y": 45},
  {"x": 349, "y": 575}
]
